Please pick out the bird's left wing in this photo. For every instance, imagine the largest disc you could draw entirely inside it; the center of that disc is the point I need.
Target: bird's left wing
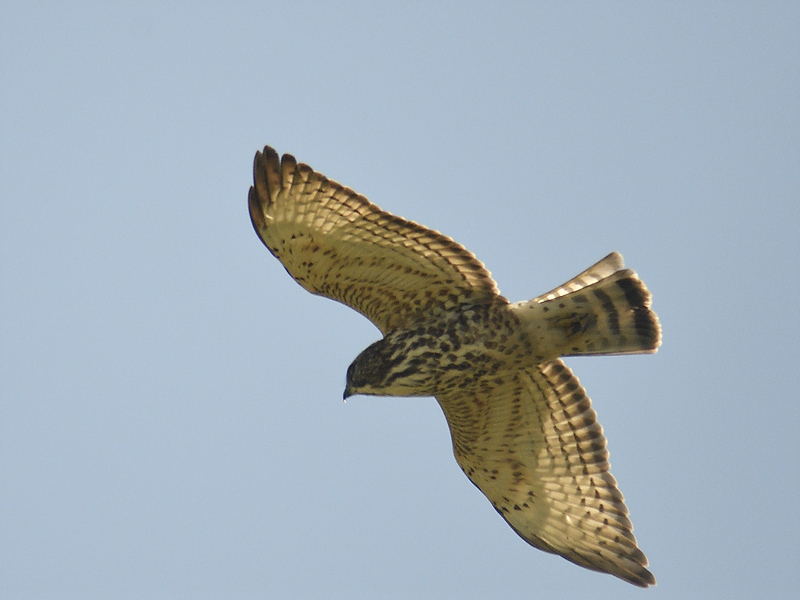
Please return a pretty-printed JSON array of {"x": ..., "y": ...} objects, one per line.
[
  {"x": 530, "y": 441},
  {"x": 336, "y": 243}
]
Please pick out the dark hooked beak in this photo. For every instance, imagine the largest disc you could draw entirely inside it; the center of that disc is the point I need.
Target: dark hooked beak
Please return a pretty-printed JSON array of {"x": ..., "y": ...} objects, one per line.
[{"x": 347, "y": 392}]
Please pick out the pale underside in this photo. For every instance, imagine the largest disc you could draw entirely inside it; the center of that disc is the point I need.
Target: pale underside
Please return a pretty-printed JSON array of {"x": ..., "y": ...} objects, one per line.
[
  {"x": 528, "y": 438},
  {"x": 336, "y": 243},
  {"x": 531, "y": 442}
]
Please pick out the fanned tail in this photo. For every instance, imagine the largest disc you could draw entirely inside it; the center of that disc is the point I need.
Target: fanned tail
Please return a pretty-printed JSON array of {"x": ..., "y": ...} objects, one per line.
[{"x": 604, "y": 310}]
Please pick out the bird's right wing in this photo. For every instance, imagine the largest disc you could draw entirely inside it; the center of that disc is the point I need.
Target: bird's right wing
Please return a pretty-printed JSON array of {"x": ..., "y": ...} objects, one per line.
[
  {"x": 336, "y": 243},
  {"x": 530, "y": 441}
]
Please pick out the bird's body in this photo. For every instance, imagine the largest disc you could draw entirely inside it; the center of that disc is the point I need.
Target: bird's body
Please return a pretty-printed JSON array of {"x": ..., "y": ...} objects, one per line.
[
  {"x": 448, "y": 351},
  {"x": 522, "y": 426}
]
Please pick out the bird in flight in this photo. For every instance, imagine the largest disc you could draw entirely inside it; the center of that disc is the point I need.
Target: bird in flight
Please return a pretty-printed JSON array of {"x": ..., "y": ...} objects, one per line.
[{"x": 522, "y": 427}]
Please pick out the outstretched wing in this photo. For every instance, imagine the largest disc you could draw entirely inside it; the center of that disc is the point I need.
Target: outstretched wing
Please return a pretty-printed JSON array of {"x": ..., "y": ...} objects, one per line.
[
  {"x": 531, "y": 442},
  {"x": 336, "y": 243}
]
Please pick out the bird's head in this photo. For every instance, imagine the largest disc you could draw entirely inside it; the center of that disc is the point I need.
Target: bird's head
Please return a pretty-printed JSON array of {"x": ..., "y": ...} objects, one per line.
[
  {"x": 386, "y": 368},
  {"x": 369, "y": 372}
]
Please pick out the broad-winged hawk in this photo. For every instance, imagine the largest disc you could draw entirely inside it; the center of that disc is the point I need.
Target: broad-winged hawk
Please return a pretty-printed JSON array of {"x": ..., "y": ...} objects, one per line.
[{"x": 522, "y": 426}]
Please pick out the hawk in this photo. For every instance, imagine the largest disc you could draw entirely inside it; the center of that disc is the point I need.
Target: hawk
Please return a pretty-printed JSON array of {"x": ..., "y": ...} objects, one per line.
[{"x": 522, "y": 427}]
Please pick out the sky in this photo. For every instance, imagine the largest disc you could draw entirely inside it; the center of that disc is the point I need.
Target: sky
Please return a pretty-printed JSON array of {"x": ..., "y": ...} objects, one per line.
[{"x": 171, "y": 415}]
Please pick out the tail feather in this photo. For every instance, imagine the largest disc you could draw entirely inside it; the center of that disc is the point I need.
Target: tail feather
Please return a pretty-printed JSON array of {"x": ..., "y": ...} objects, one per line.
[
  {"x": 600, "y": 270},
  {"x": 604, "y": 310}
]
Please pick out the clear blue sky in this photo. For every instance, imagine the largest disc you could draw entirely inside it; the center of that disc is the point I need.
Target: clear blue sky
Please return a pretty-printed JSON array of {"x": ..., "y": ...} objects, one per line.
[{"x": 171, "y": 422}]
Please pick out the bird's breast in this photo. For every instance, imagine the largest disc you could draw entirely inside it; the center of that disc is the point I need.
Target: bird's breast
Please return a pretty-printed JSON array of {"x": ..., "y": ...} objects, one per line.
[{"x": 459, "y": 349}]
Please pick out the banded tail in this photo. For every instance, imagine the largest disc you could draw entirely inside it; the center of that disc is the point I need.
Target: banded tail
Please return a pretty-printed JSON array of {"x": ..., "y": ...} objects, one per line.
[{"x": 604, "y": 310}]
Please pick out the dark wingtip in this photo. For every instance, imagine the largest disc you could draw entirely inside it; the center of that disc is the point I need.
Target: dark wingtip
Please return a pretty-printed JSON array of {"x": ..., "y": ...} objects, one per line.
[{"x": 266, "y": 184}]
